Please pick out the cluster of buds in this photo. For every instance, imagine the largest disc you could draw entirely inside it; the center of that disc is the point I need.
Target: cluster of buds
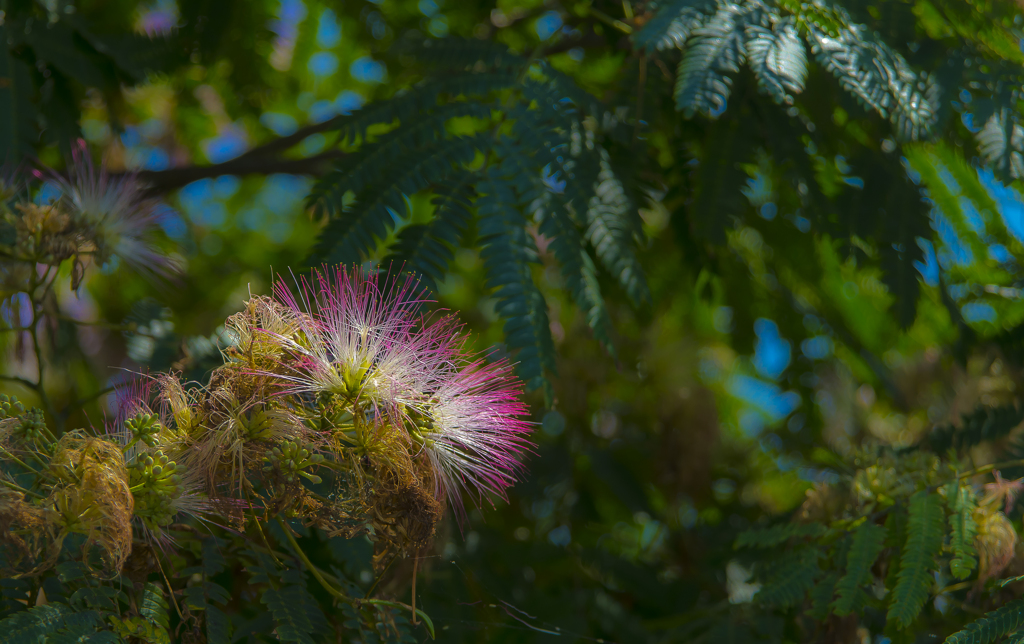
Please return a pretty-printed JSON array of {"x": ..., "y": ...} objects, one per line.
[
  {"x": 24, "y": 425},
  {"x": 290, "y": 460},
  {"x": 156, "y": 486},
  {"x": 10, "y": 407},
  {"x": 32, "y": 426},
  {"x": 143, "y": 427}
]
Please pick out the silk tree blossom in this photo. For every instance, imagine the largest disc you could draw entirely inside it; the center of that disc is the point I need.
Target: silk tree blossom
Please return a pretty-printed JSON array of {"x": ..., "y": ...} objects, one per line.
[
  {"x": 114, "y": 215},
  {"x": 472, "y": 432},
  {"x": 365, "y": 341},
  {"x": 362, "y": 339}
]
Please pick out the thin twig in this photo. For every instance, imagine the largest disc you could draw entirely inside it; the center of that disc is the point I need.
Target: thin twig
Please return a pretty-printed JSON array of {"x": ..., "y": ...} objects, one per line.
[
  {"x": 415, "y": 566},
  {"x": 21, "y": 381},
  {"x": 334, "y": 592}
]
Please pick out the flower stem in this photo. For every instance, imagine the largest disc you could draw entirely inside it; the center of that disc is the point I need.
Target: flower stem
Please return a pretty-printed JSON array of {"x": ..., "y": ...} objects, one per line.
[{"x": 334, "y": 592}]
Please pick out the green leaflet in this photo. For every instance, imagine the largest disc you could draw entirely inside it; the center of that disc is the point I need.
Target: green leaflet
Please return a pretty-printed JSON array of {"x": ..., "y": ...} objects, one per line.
[
  {"x": 579, "y": 273},
  {"x": 929, "y": 167},
  {"x": 427, "y": 249},
  {"x": 773, "y": 536},
  {"x": 878, "y": 77},
  {"x": 351, "y": 235},
  {"x": 778, "y": 58},
  {"x": 960, "y": 499},
  {"x": 154, "y": 606},
  {"x": 717, "y": 38},
  {"x": 898, "y": 247},
  {"x": 789, "y": 578},
  {"x": 612, "y": 228},
  {"x": 918, "y": 560},
  {"x": 992, "y": 626},
  {"x": 508, "y": 253},
  {"x": 296, "y": 614},
  {"x": 32, "y": 625},
  {"x": 557, "y": 223},
  {"x": 373, "y": 166},
  {"x": 673, "y": 24},
  {"x": 868, "y": 542},
  {"x": 713, "y": 54},
  {"x": 1001, "y": 140},
  {"x": 218, "y": 626},
  {"x": 966, "y": 178},
  {"x": 821, "y": 595},
  {"x": 728, "y": 142}
]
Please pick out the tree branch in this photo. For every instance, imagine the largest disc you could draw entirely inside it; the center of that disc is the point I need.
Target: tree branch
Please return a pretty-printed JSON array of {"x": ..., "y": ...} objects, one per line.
[
  {"x": 262, "y": 159},
  {"x": 161, "y": 181}
]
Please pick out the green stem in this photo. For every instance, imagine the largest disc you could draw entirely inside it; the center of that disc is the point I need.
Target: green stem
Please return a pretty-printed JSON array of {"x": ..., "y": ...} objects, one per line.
[
  {"x": 611, "y": 22},
  {"x": 309, "y": 564},
  {"x": 426, "y": 618},
  {"x": 20, "y": 462},
  {"x": 15, "y": 486},
  {"x": 985, "y": 469}
]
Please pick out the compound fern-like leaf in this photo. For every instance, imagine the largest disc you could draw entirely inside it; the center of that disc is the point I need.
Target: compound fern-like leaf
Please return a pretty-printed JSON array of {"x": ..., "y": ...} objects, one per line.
[
  {"x": 992, "y": 626},
  {"x": 428, "y": 249},
  {"x": 982, "y": 424},
  {"x": 966, "y": 177},
  {"x": 713, "y": 53},
  {"x": 960, "y": 499},
  {"x": 351, "y": 235},
  {"x": 508, "y": 253},
  {"x": 415, "y": 102},
  {"x": 154, "y": 606},
  {"x": 673, "y": 24},
  {"x": 868, "y": 542},
  {"x": 789, "y": 578},
  {"x": 773, "y": 536},
  {"x": 613, "y": 227},
  {"x": 579, "y": 272},
  {"x": 375, "y": 164},
  {"x": 1001, "y": 143},
  {"x": 878, "y": 77},
  {"x": 927, "y": 166},
  {"x": 778, "y": 58},
  {"x": 33, "y": 625},
  {"x": 918, "y": 560},
  {"x": 296, "y": 614}
]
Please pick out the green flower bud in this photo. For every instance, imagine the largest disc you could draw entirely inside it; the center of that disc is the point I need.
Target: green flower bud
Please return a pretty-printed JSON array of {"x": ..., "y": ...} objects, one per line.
[
  {"x": 32, "y": 426},
  {"x": 155, "y": 485},
  {"x": 143, "y": 427},
  {"x": 10, "y": 407},
  {"x": 290, "y": 459}
]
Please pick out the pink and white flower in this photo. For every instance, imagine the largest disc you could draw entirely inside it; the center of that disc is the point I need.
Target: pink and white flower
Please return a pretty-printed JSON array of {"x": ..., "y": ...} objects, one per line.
[
  {"x": 115, "y": 213},
  {"x": 363, "y": 338},
  {"x": 367, "y": 340},
  {"x": 473, "y": 432}
]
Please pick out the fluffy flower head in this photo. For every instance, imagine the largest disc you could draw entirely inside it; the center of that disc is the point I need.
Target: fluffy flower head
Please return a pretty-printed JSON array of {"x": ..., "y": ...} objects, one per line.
[
  {"x": 114, "y": 214},
  {"x": 364, "y": 339}
]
